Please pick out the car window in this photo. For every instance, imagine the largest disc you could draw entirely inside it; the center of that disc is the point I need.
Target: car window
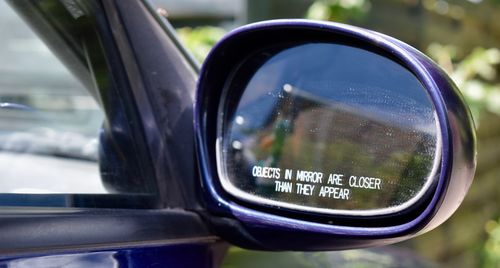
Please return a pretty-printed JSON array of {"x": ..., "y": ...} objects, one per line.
[
  {"x": 58, "y": 141},
  {"x": 49, "y": 123}
]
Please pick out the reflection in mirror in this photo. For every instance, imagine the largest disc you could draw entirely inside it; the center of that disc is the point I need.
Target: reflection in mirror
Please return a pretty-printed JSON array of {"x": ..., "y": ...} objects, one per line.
[{"x": 328, "y": 128}]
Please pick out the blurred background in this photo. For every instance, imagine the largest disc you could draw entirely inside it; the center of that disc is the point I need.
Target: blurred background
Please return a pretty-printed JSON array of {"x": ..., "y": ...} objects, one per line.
[{"x": 463, "y": 36}]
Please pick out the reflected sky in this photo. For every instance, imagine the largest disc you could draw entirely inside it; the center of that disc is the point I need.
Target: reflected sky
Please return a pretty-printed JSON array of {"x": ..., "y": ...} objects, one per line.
[{"x": 365, "y": 81}]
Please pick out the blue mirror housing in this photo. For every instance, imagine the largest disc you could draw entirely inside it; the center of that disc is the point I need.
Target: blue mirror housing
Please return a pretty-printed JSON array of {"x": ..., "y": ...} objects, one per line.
[{"x": 323, "y": 136}]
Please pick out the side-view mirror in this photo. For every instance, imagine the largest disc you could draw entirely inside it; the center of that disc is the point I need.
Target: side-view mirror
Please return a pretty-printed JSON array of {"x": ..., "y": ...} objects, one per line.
[{"x": 321, "y": 136}]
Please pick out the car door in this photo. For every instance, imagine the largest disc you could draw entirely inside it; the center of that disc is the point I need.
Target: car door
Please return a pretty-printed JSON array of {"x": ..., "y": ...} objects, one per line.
[{"x": 92, "y": 118}]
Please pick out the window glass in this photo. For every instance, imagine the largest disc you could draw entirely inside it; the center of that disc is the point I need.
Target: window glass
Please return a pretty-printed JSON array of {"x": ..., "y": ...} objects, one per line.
[
  {"x": 49, "y": 123},
  {"x": 58, "y": 130}
]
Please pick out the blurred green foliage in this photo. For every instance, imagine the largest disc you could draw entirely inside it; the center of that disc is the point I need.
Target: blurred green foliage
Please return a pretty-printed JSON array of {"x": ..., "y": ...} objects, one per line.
[
  {"x": 492, "y": 245},
  {"x": 338, "y": 10},
  {"x": 200, "y": 40},
  {"x": 363, "y": 258},
  {"x": 475, "y": 75}
]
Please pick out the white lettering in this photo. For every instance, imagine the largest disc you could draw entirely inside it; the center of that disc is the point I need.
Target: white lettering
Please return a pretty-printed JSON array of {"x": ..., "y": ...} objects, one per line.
[
  {"x": 309, "y": 176},
  {"x": 305, "y": 189},
  {"x": 266, "y": 172},
  {"x": 365, "y": 182},
  {"x": 283, "y": 186},
  {"x": 335, "y": 179},
  {"x": 334, "y": 192}
]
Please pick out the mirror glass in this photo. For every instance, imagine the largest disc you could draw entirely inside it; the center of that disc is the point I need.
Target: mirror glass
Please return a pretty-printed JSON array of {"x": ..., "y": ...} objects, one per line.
[{"x": 328, "y": 128}]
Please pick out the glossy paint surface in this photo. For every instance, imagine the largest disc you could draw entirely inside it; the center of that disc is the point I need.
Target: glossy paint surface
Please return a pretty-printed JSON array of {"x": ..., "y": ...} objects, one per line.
[{"x": 175, "y": 256}]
